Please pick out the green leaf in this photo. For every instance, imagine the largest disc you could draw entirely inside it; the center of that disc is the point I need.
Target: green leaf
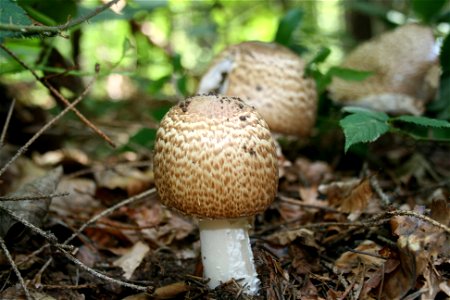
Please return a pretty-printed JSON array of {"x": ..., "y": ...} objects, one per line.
[
  {"x": 422, "y": 121},
  {"x": 379, "y": 115},
  {"x": 445, "y": 55},
  {"x": 427, "y": 9},
  {"x": 441, "y": 106},
  {"x": 159, "y": 112},
  {"x": 145, "y": 137},
  {"x": 444, "y": 17},
  {"x": 12, "y": 14},
  {"x": 362, "y": 128},
  {"x": 288, "y": 24},
  {"x": 50, "y": 12},
  {"x": 321, "y": 55},
  {"x": 349, "y": 74}
]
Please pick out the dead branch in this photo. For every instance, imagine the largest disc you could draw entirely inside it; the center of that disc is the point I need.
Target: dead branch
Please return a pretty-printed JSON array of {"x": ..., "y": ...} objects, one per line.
[
  {"x": 31, "y": 197},
  {"x": 5, "y": 126},
  {"x": 24, "y": 148},
  {"x": 15, "y": 269},
  {"x": 60, "y": 96}
]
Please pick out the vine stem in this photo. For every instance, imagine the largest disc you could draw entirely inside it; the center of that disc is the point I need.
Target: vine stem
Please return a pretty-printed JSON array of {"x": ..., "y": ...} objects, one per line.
[{"x": 58, "y": 29}]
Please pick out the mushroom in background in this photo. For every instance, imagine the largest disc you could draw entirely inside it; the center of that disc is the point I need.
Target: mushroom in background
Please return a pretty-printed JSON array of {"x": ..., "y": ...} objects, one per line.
[
  {"x": 270, "y": 78},
  {"x": 405, "y": 70},
  {"x": 215, "y": 159}
]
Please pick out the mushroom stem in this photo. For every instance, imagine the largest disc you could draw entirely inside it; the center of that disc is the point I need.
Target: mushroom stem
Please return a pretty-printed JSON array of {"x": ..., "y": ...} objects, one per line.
[{"x": 226, "y": 253}]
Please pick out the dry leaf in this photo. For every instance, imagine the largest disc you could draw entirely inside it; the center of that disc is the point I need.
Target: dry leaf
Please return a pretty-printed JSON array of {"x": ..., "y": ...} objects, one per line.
[
  {"x": 352, "y": 196},
  {"x": 284, "y": 238},
  {"x": 80, "y": 201},
  {"x": 33, "y": 211},
  {"x": 419, "y": 243},
  {"x": 349, "y": 260},
  {"x": 124, "y": 177},
  {"x": 131, "y": 260}
]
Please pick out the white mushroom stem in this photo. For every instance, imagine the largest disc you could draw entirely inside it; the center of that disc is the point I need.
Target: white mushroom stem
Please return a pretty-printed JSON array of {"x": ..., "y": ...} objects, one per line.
[{"x": 226, "y": 253}]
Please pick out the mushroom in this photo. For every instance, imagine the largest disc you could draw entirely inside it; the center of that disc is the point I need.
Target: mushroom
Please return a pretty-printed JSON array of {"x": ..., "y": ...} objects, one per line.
[
  {"x": 269, "y": 77},
  {"x": 405, "y": 70},
  {"x": 215, "y": 160}
]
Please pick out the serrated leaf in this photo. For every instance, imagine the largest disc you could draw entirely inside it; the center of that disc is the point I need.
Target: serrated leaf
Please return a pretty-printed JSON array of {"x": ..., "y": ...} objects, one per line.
[
  {"x": 379, "y": 115},
  {"x": 288, "y": 24},
  {"x": 349, "y": 74},
  {"x": 12, "y": 14},
  {"x": 50, "y": 12},
  {"x": 362, "y": 128},
  {"x": 422, "y": 121},
  {"x": 427, "y": 9}
]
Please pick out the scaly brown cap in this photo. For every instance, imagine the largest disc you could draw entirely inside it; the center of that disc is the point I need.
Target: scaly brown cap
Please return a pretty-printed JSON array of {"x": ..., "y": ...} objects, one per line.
[
  {"x": 215, "y": 158},
  {"x": 269, "y": 77},
  {"x": 404, "y": 62}
]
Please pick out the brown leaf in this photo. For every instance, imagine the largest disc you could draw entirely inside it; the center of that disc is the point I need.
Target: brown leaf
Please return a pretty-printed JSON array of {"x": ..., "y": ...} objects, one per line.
[
  {"x": 352, "y": 196},
  {"x": 419, "y": 243},
  {"x": 132, "y": 259},
  {"x": 284, "y": 238},
  {"x": 349, "y": 260},
  {"x": 33, "y": 211},
  {"x": 132, "y": 180}
]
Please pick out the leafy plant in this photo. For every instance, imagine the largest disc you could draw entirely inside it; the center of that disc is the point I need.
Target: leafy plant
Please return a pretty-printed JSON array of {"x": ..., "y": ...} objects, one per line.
[{"x": 364, "y": 125}]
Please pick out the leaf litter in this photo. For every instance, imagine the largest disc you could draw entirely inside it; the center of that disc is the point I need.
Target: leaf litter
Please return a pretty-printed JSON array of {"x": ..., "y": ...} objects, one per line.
[{"x": 331, "y": 233}]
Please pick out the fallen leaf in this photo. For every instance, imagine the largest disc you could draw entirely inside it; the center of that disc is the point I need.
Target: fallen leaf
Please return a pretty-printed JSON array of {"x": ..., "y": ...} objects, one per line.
[
  {"x": 351, "y": 196},
  {"x": 131, "y": 260},
  {"x": 33, "y": 211}
]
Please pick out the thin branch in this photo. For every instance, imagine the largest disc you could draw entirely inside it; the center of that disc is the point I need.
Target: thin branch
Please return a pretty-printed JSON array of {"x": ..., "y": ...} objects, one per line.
[
  {"x": 59, "y": 96},
  {"x": 14, "y": 267},
  {"x": 24, "y": 148},
  {"x": 5, "y": 126},
  {"x": 31, "y": 197},
  {"x": 109, "y": 211},
  {"x": 414, "y": 214},
  {"x": 49, "y": 236},
  {"x": 93, "y": 220},
  {"x": 54, "y": 30},
  {"x": 148, "y": 289}
]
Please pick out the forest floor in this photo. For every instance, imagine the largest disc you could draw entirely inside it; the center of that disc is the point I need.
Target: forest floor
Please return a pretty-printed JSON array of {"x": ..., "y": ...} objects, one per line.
[{"x": 355, "y": 226}]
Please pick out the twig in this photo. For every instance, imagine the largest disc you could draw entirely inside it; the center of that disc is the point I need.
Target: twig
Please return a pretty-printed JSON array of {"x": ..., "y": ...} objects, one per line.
[
  {"x": 385, "y": 201},
  {"x": 69, "y": 287},
  {"x": 109, "y": 211},
  {"x": 59, "y": 96},
  {"x": 53, "y": 30},
  {"x": 148, "y": 289},
  {"x": 47, "y": 235},
  {"x": 5, "y": 126},
  {"x": 14, "y": 267},
  {"x": 24, "y": 148},
  {"x": 21, "y": 198},
  {"x": 96, "y": 218},
  {"x": 299, "y": 203},
  {"x": 414, "y": 214}
]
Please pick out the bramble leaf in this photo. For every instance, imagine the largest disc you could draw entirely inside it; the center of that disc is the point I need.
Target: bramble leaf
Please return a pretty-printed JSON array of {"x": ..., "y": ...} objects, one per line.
[
  {"x": 12, "y": 14},
  {"x": 362, "y": 128}
]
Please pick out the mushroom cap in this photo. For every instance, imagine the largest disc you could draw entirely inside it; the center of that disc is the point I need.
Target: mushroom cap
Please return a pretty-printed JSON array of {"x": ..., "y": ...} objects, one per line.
[
  {"x": 406, "y": 74},
  {"x": 215, "y": 158},
  {"x": 269, "y": 77}
]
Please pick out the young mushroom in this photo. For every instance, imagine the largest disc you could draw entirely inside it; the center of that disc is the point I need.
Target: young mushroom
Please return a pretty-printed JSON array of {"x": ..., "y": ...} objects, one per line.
[
  {"x": 405, "y": 70},
  {"x": 215, "y": 159},
  {"x": 270, "y": 78}
]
